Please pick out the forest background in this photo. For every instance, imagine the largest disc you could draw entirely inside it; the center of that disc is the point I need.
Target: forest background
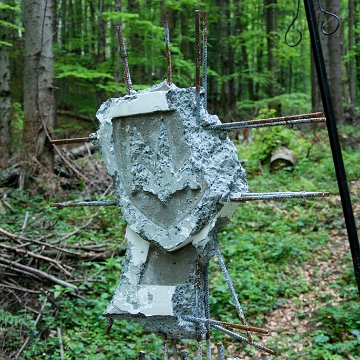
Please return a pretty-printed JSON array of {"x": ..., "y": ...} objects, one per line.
[
  {"x": 67, "y": 53},
  {"x": 60, "y": 59}
]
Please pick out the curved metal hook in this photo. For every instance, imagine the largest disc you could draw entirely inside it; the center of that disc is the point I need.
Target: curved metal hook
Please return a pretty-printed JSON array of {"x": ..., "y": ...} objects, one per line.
[
  {"x": 331, "y": 14},
  {"x": 291, "y": 25}
]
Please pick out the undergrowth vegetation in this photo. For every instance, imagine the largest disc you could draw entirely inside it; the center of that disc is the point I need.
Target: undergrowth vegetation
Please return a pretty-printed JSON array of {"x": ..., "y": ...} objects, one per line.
[{"x": 267, "y": 247}]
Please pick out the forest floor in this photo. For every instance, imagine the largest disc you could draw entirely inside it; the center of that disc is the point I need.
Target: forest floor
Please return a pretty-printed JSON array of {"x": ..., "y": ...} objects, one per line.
[{"x": 292, "y": 268}]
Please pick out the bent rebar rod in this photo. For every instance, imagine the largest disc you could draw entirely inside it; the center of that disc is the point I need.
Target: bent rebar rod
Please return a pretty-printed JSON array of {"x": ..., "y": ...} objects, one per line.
[
  {"x": 225, "y": 323},
  {"x": 242, "y": 338}
]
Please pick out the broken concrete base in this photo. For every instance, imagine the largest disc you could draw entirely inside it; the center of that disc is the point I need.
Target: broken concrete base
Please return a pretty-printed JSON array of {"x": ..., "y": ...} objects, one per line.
[{"x": 159, "y": 288}]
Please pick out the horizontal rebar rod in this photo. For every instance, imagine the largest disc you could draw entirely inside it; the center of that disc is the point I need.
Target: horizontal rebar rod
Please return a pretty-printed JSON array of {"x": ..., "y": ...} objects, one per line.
[
  {"x": 224, "y": 323},
  {"x": 73, "y": 140},
  {"x": 277, "y": 195},
  {"x": 241, "y": 338},
  {"x": 261, "y": 123},
  {"x": 84, "y": 203}
]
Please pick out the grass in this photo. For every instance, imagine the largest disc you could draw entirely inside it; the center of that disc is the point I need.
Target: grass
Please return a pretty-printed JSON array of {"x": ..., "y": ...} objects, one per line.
[{"x": 274, "y": 252}]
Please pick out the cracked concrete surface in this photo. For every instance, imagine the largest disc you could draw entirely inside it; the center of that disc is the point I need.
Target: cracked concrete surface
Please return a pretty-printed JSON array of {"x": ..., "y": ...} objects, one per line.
[{"x": 173, "y": 180}]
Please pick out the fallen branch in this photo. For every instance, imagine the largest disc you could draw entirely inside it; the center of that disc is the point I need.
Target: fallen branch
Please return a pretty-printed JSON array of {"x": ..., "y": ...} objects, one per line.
[
  {"x": 20, "y": 268},
  {"x": 90, "y": 255},
  {"x": 38, "y": 242},
  {"x": 36, "y": 256}
]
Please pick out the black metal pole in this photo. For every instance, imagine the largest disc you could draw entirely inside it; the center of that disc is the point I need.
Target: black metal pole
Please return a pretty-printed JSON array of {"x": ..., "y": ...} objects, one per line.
[{"x": 334, "y": 139}]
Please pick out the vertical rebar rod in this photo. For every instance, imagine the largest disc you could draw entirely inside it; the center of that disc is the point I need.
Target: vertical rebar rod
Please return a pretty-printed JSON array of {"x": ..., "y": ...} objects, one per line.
[
  {"x": 197, "y": 64},
  {"x": 221, "y": 352},
  {"x": 174, "y": 349},
  {"x": 168, "y": 53},
  {"x": 197, "y": 298},
  {"x": 199, "y": 350},
  {"x": 334, "y": 139},
  {"x": 231, "y": 288},
  {"x": 205, "y": 41},
  {"x": 166, "y": 348},
  {"x": 207, "y": 311},
  {"x": 125, "y": 64}
]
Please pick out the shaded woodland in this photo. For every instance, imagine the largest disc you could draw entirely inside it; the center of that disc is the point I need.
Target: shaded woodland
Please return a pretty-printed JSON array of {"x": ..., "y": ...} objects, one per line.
[
  {"x": 62, "y": 57},
  {"x": 290, "y": 261}
]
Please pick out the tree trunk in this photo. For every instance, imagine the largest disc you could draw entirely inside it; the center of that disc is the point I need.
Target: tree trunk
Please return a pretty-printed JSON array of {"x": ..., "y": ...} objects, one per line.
[
  {"x": 352, "y": 76},
  {"x": 100, "y": 94},
  {"x": 271, "y": 11},
  {"x": 335, "y": 64},
  {"x": 39, "y": 100},
  {"x": 136, "y": 48},
  {"x": 5, "y": 100},
  {"x": 116, "y": 49}
]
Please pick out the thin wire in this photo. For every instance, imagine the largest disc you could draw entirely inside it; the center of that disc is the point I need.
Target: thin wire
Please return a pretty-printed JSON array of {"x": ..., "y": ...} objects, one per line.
[
  {"x": 331, "y": 14},
  {"x": 292, "y": 25}
]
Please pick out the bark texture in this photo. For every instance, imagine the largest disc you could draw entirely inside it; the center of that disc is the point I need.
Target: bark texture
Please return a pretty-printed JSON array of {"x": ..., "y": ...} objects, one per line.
[
  {"x": 5, "y": 100},
  {"x": 39, "y": 101}
]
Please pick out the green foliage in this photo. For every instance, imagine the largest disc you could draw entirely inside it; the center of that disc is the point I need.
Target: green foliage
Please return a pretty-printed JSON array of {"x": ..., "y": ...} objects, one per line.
[{"x": 340, "y": 333}]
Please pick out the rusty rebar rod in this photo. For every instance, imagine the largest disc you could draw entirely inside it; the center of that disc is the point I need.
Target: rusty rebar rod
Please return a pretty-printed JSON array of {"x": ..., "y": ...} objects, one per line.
[
  {"x": 261, "y": 123},
  {"x": 197, "y": 50},
  {"x": 109, "y": 326},
  {"x": 197, "y": 65},
  {"x": 225, "y": 323},
  {"x": 205, "y": 43},
  {"x": 168, "y": 52},
  {"x": 242, "y": 338},
  {"x": 84, "y": 203},
  {"x": 277, "y": 195},
  {"x": 125, "y": 64},
  {"x": 73, "y": 140}
]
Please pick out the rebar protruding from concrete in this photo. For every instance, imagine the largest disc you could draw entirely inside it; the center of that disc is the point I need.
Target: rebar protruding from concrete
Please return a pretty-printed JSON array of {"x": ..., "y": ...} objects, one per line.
[
  {"x": 207, "y": 311},
  {"x": 231, "y": 288},
  {"x": 166, "y": 348},
  {"x": 174, "y": 349},
  {"x": 242, "y": 338},
  {"x": 205, "y": 42},
  {"x": 141, "y": 355},
  {"x": 73, "y": 140},
  {"x": 125, "y": 64},
  {"x": 277, "y": 195},
  {"x": 260, "y": 123},
  {"x": 197, "y": 50},
  {"x": 109, "y": 326},
  {"x": 168, "y": 53},
  {"x": 221, "y": 351},
  {"x": 197, "y": 65},
  {"x": 199, "y": 350},
  {"x": 84, "y": 203},
  {"x": 225, "y": 323}
]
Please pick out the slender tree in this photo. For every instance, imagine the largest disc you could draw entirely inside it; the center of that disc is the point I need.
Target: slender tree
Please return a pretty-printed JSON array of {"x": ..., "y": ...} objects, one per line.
[
  {"x": 5, "y": 100},
  {"x": 271, "y": 10},
  {"x": 38, "y": 89}
]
